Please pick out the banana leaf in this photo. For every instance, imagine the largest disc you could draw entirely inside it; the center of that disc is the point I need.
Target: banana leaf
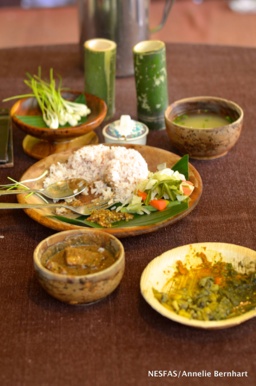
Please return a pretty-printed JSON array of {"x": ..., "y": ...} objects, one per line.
[
  {"x": 182, "y": 166},
  {"x": 138, "y": 220}
]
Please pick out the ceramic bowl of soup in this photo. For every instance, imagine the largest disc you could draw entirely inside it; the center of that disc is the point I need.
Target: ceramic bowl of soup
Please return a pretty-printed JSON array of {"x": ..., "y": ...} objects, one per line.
[
  {"x": 79, "y": 266},
  {"x": 204, "y": 127}
]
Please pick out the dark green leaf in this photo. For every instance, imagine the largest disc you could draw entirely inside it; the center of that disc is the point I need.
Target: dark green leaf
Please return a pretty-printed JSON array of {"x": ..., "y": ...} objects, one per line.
[
  {"x": 182, "y": 166},
  {"x": 81, "y": 221},
  {"x": 37, "y": 121},
  {"x": 138, "y": 220},
  {"x": 154, "y": 217},
  {"x": 81, "y": 99}
]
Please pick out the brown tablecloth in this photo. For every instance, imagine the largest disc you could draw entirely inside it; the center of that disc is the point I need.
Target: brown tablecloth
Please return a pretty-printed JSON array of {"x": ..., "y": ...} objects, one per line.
[{"x": 119, "y": 340}]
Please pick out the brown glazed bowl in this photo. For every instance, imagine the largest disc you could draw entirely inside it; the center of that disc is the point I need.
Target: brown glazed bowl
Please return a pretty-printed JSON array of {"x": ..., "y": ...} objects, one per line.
[
  {"x": 204, "y": 143},
  {"x": 83, "y": 289}
]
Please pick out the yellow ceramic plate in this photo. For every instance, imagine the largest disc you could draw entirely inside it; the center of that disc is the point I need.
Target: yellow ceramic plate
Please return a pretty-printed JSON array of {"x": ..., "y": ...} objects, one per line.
[
  {"x": 162, "y": 268},
  {"x": 153, "y": 156}
]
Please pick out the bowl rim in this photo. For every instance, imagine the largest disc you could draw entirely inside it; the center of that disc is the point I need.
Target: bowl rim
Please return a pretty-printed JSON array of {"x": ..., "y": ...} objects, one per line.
[
  {"x": 148, "y": 47},
  {"x": 204, "y": 98},
  {"x": 69, "y": 233}
]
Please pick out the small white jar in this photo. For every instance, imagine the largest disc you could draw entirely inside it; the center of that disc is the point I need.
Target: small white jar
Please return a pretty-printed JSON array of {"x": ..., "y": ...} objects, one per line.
[{"x": 114, "y": 133}]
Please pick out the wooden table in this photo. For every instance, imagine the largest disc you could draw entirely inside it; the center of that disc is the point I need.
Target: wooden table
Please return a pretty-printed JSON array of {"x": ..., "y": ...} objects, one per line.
[{"x": 121, "y": 340}]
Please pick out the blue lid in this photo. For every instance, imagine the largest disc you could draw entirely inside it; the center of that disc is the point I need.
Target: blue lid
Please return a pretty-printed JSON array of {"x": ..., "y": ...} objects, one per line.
[{"x": 137, "y": 130}]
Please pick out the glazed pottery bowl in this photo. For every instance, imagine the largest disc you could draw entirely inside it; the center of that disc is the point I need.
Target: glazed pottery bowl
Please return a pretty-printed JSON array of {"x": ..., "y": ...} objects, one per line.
[
  {"x": 82, "y": 288},
  {"x": 204, "y": 142}
]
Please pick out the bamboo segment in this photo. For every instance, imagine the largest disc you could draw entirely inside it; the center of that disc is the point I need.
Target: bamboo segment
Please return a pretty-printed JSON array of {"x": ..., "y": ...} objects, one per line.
[
  {"x": 100, "y": 71},
  {"x": 151, "y": 82}
]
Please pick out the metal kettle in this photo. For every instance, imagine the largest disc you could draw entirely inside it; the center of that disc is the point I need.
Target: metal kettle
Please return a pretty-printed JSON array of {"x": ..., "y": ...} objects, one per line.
[{"x": 123, "y": 21}]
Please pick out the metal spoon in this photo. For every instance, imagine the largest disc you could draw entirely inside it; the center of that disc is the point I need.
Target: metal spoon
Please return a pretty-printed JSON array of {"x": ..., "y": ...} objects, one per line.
[
  {"x": 57, "y": 191},
  {"x": 86, "y": 209}
]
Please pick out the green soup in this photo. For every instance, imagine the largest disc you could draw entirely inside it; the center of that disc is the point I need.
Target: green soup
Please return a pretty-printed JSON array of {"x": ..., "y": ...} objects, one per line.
[{"x": 202, "y": 120}]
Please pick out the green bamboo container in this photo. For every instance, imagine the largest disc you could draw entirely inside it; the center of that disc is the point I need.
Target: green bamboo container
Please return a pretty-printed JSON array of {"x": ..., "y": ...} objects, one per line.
[
  {"x": 151, "y": 82},
  {"x": 100, "y": 71}
]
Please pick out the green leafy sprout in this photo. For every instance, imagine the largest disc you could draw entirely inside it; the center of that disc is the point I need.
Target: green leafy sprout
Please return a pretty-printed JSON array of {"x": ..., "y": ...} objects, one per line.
[{"x": 56, "y": 111}]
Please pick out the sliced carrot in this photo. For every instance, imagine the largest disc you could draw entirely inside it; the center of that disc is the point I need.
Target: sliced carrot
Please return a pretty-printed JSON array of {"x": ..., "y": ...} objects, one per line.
[
  {"x": 141, "y": 194},
  {"x": 186, "y": 190},
  {"x": 187, "y": 187},
  {"x": 159, "y": 204}
]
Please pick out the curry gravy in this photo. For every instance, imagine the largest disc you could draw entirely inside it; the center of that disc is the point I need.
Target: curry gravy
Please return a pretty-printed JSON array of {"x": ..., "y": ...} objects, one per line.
[{"x": 79, "y": 260}]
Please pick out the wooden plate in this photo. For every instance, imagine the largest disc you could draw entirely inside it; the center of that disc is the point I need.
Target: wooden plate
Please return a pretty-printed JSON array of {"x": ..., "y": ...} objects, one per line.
[
  {"x": 162, "y": 268},
  {"x": 153, "y": 157}
]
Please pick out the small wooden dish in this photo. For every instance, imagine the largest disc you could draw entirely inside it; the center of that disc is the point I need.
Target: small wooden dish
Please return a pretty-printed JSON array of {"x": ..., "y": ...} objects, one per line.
[{"x": 43, "y": 141}]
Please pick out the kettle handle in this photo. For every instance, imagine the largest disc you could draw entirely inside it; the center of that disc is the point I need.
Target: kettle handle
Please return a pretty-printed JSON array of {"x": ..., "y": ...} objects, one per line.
[{"x": 167, "y": 7}]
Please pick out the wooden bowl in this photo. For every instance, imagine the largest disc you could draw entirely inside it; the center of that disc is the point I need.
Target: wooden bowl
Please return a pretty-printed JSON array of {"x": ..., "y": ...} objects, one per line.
[
  {"x": 43, "y": 141},
  {"x": 159, "y": 275},
  {"x": 204, "y": 143},
  {"x": 82, "y": 289}
]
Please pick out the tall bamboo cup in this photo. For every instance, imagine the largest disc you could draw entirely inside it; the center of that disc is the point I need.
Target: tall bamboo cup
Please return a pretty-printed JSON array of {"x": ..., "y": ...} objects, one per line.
[
  {"x": 151, "y": 82},
  {"x": 100, "y": 71}
]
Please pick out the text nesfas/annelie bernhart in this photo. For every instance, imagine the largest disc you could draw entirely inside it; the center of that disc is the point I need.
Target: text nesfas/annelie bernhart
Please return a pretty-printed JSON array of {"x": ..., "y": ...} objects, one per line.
[{"x": 197, "y": 374}]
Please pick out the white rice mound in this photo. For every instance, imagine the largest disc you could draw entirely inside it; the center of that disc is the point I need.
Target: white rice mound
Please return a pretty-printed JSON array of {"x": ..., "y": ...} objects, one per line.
[{"x": 111, "y": 171}]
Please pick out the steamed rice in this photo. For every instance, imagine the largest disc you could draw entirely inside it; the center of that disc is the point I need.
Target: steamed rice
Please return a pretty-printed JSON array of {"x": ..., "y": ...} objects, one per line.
[{"x": 112, "y": 172}]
